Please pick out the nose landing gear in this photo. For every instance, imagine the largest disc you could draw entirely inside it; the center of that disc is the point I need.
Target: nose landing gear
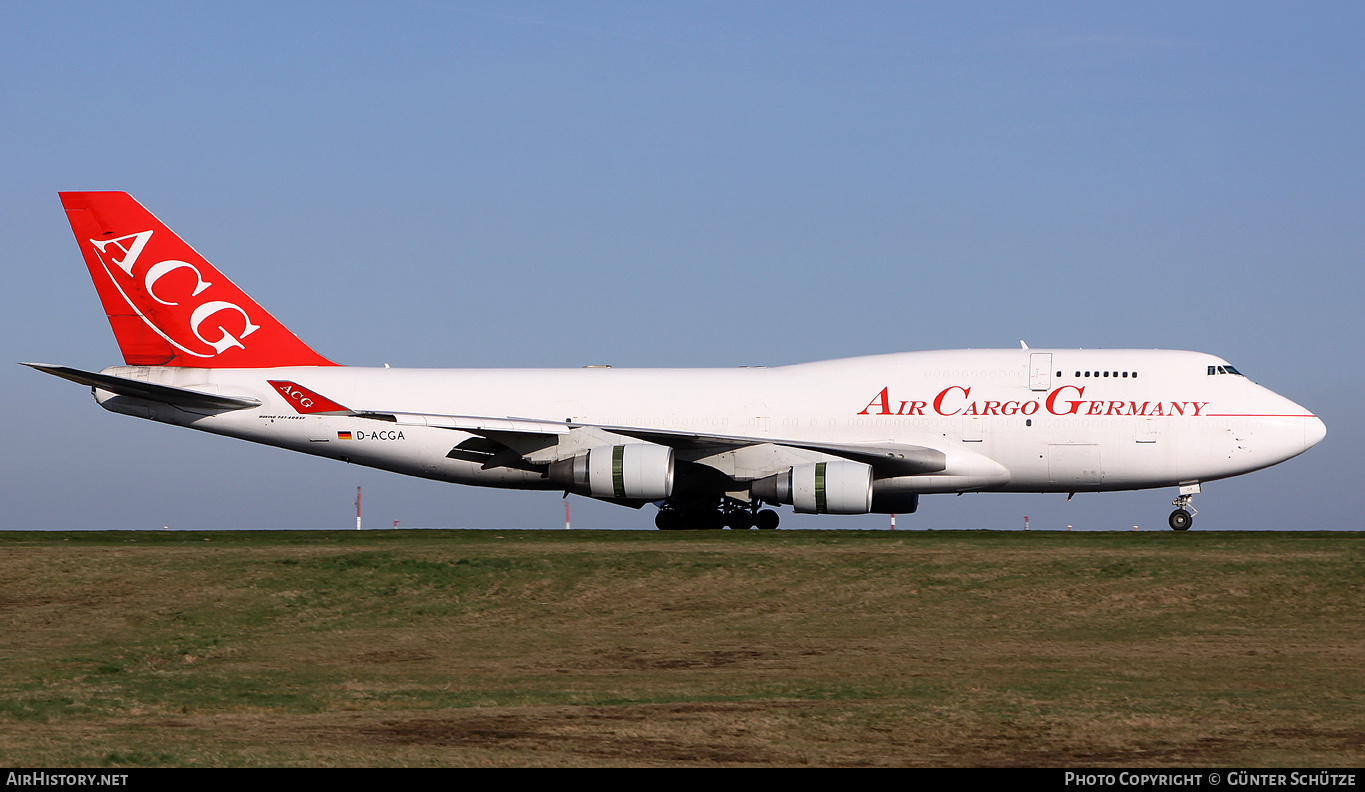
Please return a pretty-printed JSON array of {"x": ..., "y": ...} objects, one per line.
[{"x": 1183, "y": 517}]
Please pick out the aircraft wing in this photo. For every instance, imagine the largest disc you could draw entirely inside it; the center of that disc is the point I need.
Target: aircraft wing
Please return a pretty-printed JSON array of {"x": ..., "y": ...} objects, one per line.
[
  {"x": 886, "y": 459},
  {"x": 526, "y": 435},
  {"x": 181, "y": 397}
]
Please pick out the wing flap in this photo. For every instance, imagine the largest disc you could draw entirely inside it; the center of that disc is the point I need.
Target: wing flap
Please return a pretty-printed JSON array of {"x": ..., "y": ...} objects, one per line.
[
  {"x": 887, "y": 459},
  {"x": 472, "y": 423}
]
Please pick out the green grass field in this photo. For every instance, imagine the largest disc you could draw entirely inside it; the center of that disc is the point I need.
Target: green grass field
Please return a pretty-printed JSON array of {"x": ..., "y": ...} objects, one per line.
[{"x": 585, "y": 648}]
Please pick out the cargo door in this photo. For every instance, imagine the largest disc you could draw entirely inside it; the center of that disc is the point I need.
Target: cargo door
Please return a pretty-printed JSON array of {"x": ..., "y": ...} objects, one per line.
[
  {"x": 1040, "y": 371},
  {"x": 1075, "y": 465}
]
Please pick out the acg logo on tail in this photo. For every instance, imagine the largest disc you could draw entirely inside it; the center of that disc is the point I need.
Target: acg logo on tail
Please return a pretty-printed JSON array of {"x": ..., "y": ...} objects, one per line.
[{"x": 184, "y": 327}]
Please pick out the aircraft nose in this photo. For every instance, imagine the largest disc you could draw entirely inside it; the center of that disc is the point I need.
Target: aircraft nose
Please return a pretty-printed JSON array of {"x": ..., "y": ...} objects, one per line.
[{"x": 1313, "y": 432}]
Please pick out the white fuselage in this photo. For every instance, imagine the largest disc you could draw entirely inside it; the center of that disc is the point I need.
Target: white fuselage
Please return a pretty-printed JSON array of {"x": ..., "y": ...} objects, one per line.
[{"x": 1054, "y": 420}]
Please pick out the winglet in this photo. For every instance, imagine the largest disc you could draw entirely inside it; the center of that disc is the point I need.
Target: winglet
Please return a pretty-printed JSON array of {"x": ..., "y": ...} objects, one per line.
[{"x": 167, "y": 305}]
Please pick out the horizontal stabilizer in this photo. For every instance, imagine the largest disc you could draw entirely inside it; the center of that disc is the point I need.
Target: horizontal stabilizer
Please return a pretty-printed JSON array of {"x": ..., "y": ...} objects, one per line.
[{"x": 166, "y": 394}]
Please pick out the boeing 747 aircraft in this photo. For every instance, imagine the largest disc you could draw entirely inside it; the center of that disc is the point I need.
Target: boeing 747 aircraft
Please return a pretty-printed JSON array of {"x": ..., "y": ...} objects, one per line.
[{"x": 709, "y": 447}]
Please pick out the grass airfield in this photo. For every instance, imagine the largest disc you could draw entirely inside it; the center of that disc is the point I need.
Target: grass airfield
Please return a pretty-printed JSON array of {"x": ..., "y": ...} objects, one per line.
[{"x": 712, "y": 648}]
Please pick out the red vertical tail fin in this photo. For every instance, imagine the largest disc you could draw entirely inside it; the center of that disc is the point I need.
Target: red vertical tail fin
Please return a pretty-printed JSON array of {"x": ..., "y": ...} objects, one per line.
[{"x": 167, "y": 304}]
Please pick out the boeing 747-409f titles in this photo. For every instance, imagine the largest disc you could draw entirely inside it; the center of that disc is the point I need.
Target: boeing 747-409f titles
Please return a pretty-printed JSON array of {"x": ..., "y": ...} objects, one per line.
[{"x": 709, "y": 447}]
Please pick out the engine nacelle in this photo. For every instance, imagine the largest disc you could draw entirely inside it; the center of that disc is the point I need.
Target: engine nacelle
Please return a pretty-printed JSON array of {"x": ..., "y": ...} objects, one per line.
[
  {"x": 820, "y": 488},
  {"x": 636, "y": 471}
]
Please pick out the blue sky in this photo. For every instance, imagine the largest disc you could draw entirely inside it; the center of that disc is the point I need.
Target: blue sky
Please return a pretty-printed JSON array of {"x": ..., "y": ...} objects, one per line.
[{"x": 686, "y": 184}]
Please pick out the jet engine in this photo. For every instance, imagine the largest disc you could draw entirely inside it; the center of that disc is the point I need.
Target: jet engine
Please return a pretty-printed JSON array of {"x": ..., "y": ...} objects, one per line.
[
  {"x": 820, "y": 488},
  {"x": 636, "y": 471}
]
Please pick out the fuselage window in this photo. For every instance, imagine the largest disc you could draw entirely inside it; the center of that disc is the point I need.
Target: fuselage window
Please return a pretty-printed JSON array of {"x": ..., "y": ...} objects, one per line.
[{"x": 1133, "y": 374}]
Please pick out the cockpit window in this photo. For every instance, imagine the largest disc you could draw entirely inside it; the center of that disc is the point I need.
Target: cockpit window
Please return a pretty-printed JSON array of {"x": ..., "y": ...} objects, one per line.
[{"x": 1213, "y": 370}]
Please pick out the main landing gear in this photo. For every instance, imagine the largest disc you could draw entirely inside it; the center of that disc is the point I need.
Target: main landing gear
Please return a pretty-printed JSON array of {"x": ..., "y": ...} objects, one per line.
[
  {"x": 726, "y": 513},
  {"x": 1183, "y": 517}
]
